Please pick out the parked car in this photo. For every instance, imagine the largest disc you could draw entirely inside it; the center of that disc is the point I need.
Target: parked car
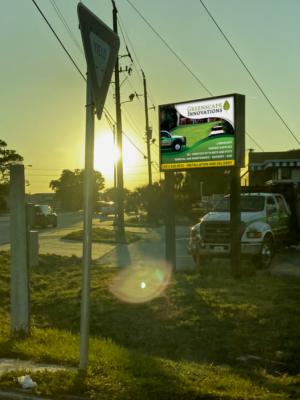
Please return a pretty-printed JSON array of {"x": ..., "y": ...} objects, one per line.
[
  {"x": 266, "y": 224},
  {"x": 44, "y": 216}
]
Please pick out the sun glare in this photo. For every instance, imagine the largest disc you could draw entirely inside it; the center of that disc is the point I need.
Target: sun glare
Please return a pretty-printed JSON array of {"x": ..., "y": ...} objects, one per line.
[{"x": 106, "y": 154}]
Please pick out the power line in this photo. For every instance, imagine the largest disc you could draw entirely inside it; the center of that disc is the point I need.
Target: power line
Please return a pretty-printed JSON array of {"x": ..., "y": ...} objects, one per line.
[
  {"x": 58, "y": 39},
  {"x": 46, "y": 169},
  {"x": 180, "y": 58},
  {"x": 265, "y": 96},
  {"x": 80, "y": 71},
  {"x": 121, "y": 22},
  {"x": 41, "y": 175},
  {"x": 175, "y": 54},
  {"x": 61, "y": 17},
  {"x": 254, "y": 141}
]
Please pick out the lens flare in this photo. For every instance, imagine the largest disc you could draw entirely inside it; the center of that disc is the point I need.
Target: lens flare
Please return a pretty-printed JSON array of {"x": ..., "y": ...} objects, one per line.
[{"x": 138, "y": 284}]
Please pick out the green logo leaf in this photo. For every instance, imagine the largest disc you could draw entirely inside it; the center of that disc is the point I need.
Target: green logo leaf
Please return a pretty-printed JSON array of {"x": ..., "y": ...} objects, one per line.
[{"x": 226, "y": 106}]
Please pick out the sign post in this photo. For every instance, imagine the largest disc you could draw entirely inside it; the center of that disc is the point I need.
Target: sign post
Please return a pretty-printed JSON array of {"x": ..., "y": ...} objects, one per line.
[{"x": 101, "y": 46}]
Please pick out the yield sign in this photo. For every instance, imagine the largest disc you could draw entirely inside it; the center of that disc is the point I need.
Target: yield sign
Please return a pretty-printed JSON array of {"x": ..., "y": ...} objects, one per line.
[{"x": 101, "y": 47}]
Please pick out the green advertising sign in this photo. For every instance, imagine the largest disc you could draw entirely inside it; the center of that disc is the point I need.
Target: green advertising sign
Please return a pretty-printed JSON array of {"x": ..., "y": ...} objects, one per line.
[{"x": 201, "y": 133}]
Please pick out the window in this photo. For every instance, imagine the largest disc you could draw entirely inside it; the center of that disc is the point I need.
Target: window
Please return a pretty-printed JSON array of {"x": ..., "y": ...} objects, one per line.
[
  {"x": 164, "y": 134},
  {"x": 271, "y": 202},
  {"x": 286, "y": 173},
  {"x": 248, "y": 204},
  {"x": 281, "y": 204}
]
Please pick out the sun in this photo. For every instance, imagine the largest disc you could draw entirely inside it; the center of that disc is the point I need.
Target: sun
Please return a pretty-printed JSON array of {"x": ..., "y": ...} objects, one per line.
[{"x": 106, "y": 154}]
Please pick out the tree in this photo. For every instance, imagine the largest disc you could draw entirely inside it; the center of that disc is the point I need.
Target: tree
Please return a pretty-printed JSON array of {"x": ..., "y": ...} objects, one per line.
[
  {"x": 109, "y": 194},
  {"x": 170, "y": 118},
  {"x": 227, "y": 127},
  {"x": 150, "y": 197},
  {"x": 7, "y": 158},
  {"x": 69, "y": 188}
]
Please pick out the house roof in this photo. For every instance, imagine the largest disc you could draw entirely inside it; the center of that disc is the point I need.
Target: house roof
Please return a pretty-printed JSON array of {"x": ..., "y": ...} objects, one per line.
[{"x": 260, "y": 158}]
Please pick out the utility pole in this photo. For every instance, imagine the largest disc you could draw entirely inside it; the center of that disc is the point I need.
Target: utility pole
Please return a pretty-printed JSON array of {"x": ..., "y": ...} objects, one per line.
[
  {"x": 148, "y": 132},
  {"x": 115, "y": 175},
  {"x": 120, "y": 199}
]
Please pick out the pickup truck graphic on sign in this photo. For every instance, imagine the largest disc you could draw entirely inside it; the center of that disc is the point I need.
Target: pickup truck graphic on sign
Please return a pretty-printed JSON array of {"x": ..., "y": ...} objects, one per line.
[{"x": 170, "y": 141}]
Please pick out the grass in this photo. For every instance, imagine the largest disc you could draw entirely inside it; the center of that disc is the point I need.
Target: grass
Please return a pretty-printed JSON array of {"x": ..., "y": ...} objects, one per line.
[
  {"x": 103, "y": 235},
  {"x": 167, "y": 348},
  {"x": 194, "y": 132}
]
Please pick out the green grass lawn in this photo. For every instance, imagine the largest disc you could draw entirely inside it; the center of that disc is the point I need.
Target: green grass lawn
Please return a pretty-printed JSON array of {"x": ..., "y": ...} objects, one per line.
[
  {"x": 103, "y": 235},
  {"x": 194, "y": 133},
  {"x": 167, "y": 348}
]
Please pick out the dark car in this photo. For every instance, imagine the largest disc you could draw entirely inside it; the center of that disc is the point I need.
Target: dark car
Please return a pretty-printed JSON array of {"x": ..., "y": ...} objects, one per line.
[{"x": 44, "y": 216}]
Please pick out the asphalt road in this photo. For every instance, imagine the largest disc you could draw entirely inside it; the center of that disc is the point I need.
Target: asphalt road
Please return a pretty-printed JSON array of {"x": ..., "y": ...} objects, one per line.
[
  {"x": 67, "y": 220},
  {"x": 114, "y": 254},
  {"x": 140, "y": 253}
]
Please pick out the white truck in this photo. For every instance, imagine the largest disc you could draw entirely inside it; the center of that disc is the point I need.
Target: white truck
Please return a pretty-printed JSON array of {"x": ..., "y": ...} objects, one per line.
[
  {"x": 268, "y": 222},
  {"x": 105, "y": 207}
]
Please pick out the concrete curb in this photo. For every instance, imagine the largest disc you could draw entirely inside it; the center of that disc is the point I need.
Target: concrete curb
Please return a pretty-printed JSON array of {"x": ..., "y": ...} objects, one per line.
[
  {"x": 16, "y": 395},
  {"x": 22, "y": 394}
]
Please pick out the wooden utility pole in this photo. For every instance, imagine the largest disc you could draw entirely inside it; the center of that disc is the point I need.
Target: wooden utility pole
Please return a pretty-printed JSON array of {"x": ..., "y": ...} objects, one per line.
[
  {"x": 120, "y": 196},
  {"x": 148, "y": 132}
]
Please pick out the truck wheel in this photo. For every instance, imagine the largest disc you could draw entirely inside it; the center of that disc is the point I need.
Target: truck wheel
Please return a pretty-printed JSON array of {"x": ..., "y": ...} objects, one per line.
[
  {"x": 266, "y": 254},
  {"x": 176, "y": 146}
]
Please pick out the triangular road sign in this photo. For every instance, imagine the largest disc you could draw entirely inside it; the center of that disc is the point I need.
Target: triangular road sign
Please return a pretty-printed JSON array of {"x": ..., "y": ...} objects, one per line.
[{"x": 101, "y": 47}]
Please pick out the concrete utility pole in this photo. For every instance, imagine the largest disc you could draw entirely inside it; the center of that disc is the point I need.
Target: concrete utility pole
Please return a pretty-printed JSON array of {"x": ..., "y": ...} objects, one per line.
[
  {"x": 120, "y": 196},
  {"x": 148, "y": 132},
  {"x": 19, "y": 292}
]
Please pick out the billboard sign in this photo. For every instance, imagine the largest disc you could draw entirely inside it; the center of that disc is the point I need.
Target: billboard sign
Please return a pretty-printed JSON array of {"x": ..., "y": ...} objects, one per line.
[{"x": 202, "y": 133}]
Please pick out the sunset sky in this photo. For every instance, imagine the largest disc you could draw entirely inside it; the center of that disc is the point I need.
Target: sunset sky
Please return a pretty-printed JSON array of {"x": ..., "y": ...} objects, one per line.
[{"x": 43, "y": 96}]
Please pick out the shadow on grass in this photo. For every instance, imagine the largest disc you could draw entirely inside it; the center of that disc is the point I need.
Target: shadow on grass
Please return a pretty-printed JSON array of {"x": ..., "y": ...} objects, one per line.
[{"x": 206, "y": 319}]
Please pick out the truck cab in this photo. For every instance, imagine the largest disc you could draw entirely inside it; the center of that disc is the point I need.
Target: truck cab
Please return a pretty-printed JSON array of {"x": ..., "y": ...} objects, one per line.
[{"x": 265, "y": 224}]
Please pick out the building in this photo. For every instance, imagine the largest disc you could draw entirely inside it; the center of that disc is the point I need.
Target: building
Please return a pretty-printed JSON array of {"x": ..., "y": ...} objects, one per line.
[
  {"x": 189, "y": 121},
  {"x": 271, "y": 167}
]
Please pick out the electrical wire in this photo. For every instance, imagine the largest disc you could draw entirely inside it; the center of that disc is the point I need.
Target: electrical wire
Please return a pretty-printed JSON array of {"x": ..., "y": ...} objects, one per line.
[
  {"x": 184, "y": 63},
  {"x": 61, "y": 17},
  {"x": 58, "y": 39},
  {"x": 79, "y": 69},
  {"x": 169, "y": 48},
  {"x": 181, "y": 60},
  {"x": 255, "y": 81},
  {"x": 121, "y": 22}
]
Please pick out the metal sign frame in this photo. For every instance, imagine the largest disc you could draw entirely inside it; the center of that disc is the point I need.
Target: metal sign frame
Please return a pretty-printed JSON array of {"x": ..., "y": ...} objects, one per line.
[
  {"x": 239, "y": 131},
  {"x": 101, "y": 46}
]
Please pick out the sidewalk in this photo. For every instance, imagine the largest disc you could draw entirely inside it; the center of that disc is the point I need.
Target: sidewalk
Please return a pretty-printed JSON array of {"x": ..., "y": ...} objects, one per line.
[{"x": 9, "y": 364}]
